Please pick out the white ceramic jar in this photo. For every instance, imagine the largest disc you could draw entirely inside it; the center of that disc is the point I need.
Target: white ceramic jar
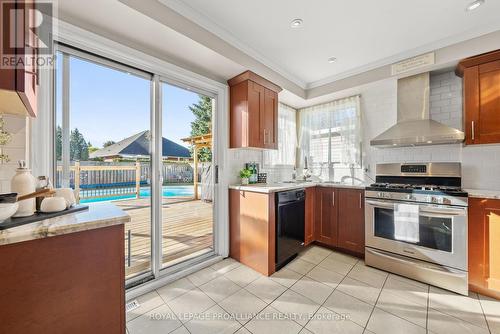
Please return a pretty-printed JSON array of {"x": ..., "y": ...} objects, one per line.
[{"x": 24, "y": 183}]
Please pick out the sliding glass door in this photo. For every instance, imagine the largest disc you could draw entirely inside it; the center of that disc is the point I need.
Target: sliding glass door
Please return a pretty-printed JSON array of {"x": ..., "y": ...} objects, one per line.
[
  {"x": 187, "y": 172},
  {"x": 123, "y": 136}
]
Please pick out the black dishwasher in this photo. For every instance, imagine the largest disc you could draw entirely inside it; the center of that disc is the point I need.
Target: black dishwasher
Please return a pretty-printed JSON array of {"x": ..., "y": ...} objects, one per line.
[{"x": 290, "y": 217}]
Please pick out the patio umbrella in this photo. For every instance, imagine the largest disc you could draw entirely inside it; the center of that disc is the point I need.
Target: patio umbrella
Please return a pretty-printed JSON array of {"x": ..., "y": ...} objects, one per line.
[{"x": 138, "y": 146}]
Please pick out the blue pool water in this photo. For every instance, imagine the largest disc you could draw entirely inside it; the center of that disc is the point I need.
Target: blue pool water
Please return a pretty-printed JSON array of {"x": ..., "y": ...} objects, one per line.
[{"x": 168, "y": 191}]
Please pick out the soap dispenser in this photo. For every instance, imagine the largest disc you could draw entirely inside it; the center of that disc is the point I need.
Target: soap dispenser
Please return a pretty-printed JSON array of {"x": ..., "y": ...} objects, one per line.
[{"x": 24, "y": 183}]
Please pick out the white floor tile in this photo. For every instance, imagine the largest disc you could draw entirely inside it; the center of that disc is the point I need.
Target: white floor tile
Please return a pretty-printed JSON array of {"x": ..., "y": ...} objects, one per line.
[
  {"x": 175, "y": 289},
  {"x": 403, "y": 308},
  {"x": 225, "y": 265},
  {"x": 266, "y": 289},
  {"x": 491, "y": 308},
  {"x": 360, "y": 290},
  {"x": 441, "y": 323},
  {"x": 467, "y": 308},
  {"x": 382, "y": 322},
  {"x": 180, "y": 330},
  {"x": 300, "y": 266},
  {"x": 243, "y": 305},
  {"x": 147, "y": 302},
  {"x": 325, "y": 276},
  {"x": 335, "y": 265},
  {"x": 220, "y": 288},
  {"x": 190, "y": 304},
  {"x": 294, "y": 303},
  {"x": 243, "y": 275},
  {"x": 272, "y": 321},
  {"x": 286, "y": 277},
  {"x": 202, "y": 276},
  {"x": 357, "y": 310},
  {"x": 214, "y": 320},
  {"x": 368, "y": 275},
  {"x": 242, "y": 330},
  {"x": 413, "y": 291},
  {"x": 314, "y": 254},
  {"x": 157, "y": 321},
  {"x": 326, "y": 322},
  {"x": 314, "y": 290}
]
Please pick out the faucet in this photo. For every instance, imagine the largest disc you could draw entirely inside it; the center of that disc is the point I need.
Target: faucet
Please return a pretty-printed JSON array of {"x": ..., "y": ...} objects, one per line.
[
  {"x": 306, "y": 173},
  {"x": 352, "y": 177}
]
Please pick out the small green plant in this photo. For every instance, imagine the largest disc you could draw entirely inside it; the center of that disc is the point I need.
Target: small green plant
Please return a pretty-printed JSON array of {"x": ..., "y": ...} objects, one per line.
[{"x": 245, "y": 173}]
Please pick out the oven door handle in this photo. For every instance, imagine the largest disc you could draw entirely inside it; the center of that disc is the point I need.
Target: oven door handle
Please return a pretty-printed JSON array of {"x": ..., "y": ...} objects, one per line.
[
  {"x": 381, "y": 204},
  {"x": 442, "y": 213}
]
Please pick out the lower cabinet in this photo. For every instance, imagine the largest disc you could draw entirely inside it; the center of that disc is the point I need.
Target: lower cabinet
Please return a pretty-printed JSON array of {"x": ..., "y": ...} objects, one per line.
[
  {"x": 351, "y": 220},
  {"x": 484, "y": 246},
  {"x": 340, "y": 219}
]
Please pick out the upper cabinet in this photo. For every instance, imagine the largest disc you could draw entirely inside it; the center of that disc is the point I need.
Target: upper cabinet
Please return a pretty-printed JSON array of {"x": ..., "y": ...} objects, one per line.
[
  {"x": 481, "y": 93},
  {"x": 253, "y": 112},
  {"x": 19, "y": 84}
]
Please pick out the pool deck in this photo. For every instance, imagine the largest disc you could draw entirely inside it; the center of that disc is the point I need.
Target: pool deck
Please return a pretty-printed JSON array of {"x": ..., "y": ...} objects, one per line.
[{"x": 187, "y": 230}]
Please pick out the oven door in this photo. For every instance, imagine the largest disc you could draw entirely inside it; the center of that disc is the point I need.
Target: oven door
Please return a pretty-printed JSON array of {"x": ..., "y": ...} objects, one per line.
[{"x": 433, "y": 233}]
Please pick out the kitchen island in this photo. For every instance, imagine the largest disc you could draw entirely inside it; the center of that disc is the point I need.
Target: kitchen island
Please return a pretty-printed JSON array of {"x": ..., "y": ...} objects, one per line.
[
  {"x": 65, "y": 274},
  {"x": 334, "y": 217}
]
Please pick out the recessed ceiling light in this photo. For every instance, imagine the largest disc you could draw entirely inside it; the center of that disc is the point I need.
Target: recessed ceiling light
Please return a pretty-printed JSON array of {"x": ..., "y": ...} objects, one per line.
[
  {"x": 332, "y": 60},
  {"x": 296, "y": 23},
  {"x": 474, "y": 5}
]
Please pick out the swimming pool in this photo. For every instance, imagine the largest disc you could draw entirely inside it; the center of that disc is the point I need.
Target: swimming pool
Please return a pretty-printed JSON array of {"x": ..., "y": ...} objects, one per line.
[{"x": 167, "y": 191}]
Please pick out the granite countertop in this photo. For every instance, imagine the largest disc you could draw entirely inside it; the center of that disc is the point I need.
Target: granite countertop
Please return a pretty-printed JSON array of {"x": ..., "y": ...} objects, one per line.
[
  {"x": 98, "y": 215},
  {"x": 275, "y": 187},
  {"x": 483, "y": 193}
]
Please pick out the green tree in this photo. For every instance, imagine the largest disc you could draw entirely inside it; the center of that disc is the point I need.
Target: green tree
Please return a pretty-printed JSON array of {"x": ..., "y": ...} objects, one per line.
[
  {"x": 202, "y": 125},
  {"x": 78, "y": 147},
  {"x": 58, "y": 143},
  {"x": 108, "y": 143}
]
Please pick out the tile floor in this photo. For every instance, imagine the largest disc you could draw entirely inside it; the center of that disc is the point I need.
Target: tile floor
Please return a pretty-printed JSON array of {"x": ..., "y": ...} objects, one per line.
[{"x": 319, "y": 292}]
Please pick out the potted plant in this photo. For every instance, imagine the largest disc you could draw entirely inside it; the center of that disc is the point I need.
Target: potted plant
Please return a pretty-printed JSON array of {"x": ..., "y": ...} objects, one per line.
[{"x": 244, "y": 175}]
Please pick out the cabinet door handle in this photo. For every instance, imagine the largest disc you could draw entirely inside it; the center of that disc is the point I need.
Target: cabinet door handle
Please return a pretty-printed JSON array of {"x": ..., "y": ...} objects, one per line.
[
  {"x": 265, "y": 136},
  {"x": 472, "y": 130},
  {"x": 333, "y": 199},
  {"x": 360, "y": 204}
]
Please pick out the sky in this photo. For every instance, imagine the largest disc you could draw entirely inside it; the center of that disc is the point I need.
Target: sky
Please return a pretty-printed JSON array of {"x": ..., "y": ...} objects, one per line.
[{"x": 107, "y": 104}]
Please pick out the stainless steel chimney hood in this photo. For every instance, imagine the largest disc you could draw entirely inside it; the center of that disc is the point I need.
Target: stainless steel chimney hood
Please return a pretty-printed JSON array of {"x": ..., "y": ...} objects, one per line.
[{"x": 413, "y": 125}]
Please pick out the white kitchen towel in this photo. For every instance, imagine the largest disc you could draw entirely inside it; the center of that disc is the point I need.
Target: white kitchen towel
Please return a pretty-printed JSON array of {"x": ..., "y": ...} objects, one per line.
[{"x": 406, "y": 217}]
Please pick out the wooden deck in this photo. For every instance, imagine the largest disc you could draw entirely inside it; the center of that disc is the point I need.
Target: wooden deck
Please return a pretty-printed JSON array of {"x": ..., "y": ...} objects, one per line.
[{"x": 187, "y": 230}]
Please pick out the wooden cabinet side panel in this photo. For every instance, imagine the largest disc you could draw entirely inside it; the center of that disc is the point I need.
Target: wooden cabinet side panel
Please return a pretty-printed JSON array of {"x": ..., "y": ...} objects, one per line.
[
  {"x": 492, "y": 244},
  {"x": 471, "y": 105},
  {"x": 239, "y": 115},
  {"x": 326, "y": 216},
  {"x": 309, "y": 215},
  {"x": 351, "y": 220},
  {"x": 71, "y": 283},
  {"x": 252, "y": 230}
]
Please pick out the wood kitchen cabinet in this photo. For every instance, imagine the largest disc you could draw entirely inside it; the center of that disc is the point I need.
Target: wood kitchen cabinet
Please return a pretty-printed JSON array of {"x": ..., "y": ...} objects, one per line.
[
  {"x": 340, "y": 218},
  {"x": 484, "y": 246},
  {"x": 253, "y": 112},
  {"x": 326, "y": 218},
  {"x": 71, "y": 283},
  {"x": 351, "y": 220},
  {"x": 19, "y": 84},
  {"x": 481, "y": 93}
]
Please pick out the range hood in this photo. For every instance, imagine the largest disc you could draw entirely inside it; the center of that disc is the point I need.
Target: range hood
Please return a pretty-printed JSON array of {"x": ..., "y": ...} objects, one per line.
[{"x": 414, "y": 127}]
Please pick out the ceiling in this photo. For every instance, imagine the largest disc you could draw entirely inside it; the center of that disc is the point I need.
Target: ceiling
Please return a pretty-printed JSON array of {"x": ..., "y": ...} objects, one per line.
[
  {"x": 362, "y": 35},
  {"x": 123, "y": 24}
]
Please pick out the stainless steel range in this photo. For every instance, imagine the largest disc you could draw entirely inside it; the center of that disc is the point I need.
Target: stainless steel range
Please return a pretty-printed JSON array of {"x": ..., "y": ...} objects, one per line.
[{"x": 416, "y": 223}]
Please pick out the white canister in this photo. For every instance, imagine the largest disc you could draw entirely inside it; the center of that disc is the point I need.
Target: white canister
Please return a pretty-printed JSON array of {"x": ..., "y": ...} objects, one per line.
[{"x": 24, "y": 183}]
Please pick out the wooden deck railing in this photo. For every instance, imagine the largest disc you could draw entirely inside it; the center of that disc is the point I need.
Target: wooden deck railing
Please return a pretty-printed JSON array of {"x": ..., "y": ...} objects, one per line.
[{"x": 105, "y": 181}]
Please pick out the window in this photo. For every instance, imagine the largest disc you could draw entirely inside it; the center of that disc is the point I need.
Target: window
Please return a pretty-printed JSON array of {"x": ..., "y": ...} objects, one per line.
[
  {"x": 287, "y": 139},
  {"x": 330, "y": 136}
]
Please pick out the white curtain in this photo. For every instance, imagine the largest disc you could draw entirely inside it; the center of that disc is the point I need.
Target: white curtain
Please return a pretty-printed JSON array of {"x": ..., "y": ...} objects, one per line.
[
  {"x": 287, "y": 139},
  {"x": 330, "y": 134}
]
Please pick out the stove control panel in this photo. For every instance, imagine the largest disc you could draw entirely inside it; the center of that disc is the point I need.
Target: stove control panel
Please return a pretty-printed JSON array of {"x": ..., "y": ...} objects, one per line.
[{"x": 417, "y": 197}]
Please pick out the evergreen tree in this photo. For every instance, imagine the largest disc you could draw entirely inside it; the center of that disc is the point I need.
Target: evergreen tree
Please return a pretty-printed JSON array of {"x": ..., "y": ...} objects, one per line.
[
  {"x": 78, "y": 148},
  {"x": 202, "y": 125},
  {"x": 58, "y": 143}
]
